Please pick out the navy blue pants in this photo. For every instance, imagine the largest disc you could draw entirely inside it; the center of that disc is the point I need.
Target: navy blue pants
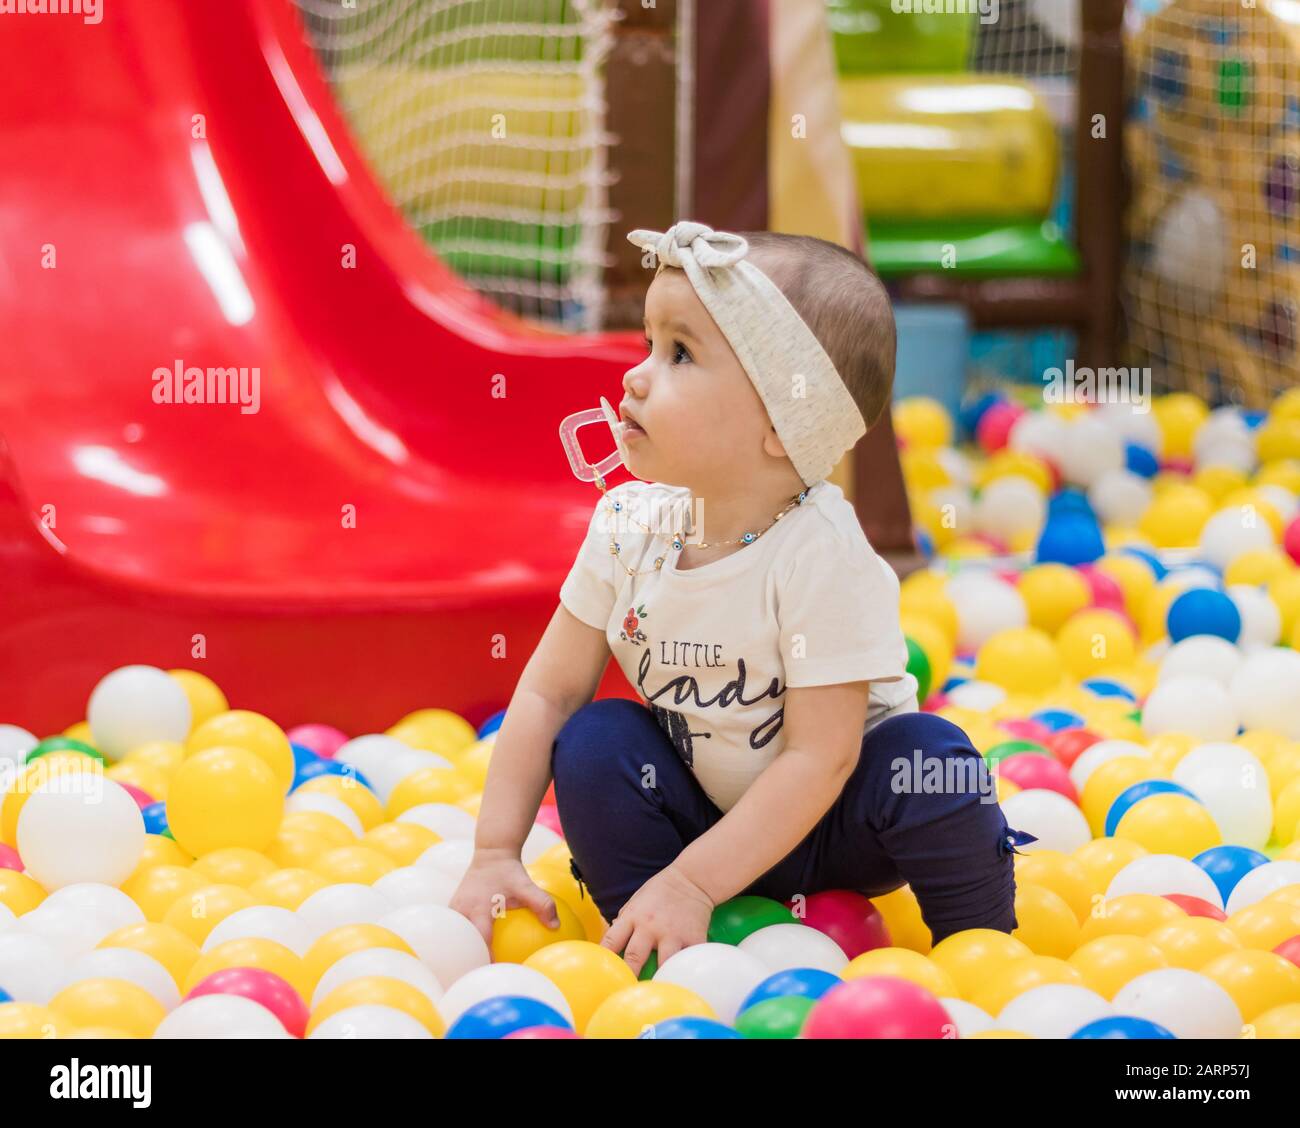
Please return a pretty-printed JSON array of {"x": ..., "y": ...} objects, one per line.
[{"x": 953, "y": 846}]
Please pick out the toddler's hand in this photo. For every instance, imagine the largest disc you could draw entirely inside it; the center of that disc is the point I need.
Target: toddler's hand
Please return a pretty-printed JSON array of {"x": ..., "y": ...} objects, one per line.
[
  {"x": 668, "y": 913},
  {"x": 497, "y": 881}
]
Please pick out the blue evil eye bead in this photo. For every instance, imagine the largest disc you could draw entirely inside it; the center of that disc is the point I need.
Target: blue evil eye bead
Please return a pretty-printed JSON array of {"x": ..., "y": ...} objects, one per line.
[
  {"x": 676, "y": 543},
  {"x": 803, "y": 494},
  {"x": 748, "y": 538},
  {"x": 618, "y": 507}
]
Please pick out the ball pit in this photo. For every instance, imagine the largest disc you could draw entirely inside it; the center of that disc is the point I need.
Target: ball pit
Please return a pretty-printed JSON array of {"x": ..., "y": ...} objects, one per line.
[{"x": 1112, "y": 618}]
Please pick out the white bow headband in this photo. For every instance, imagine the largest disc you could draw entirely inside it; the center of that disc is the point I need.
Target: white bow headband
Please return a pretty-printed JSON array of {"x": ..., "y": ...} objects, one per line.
[{"x": 814, "y": 415}]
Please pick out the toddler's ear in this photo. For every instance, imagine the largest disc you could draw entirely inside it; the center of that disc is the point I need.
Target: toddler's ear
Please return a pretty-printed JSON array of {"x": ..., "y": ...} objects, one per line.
[{"x": 772, "y": 443}]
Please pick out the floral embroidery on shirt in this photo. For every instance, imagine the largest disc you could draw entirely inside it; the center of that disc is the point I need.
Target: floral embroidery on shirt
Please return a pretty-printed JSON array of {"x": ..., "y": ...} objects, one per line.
[{"x": 632, "y": 631}]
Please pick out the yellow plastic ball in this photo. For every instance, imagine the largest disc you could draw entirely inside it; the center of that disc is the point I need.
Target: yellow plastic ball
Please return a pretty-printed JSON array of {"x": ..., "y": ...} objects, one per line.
[
  {"x": 518, "y": 933},
  {"x": 163, "y": 755},
  {"x": 400, "y": 842},
  {"x": 1179, "y": 416},
  {"x": 629, "y": 1012},
  {"x": 1062, "y": 874},
  {"x": 967, "y": 957},
  {"x": 235, "y": 865},
  {"x": 165, "y": 943},
  {"x": 1010, "y": 980},
  {"x": 110, "y": 1002},
  {"x": 901, "y": 963},
  {"x": 1254, "y": 507},
  {"x": 1266, "y": 923},
  {"x": 1133, "y": 575},
  {"x": 1284, "y": 472},
  {"x": 149, "y": 779},
  {"x": 1052, "y": 593},
  {"x": 297, "y": 848},
  {"x": 925, "y": 594},
  {"x": 930, "y": 637},
  {"x": 922, "y": 422},
  {"x": 1168, "y": 748},
  {"x": 333, "y": 945},
  {"x": 204, "y": 695},
  {"x": 257, "y": 952},
  {"x": 286, "y": 888},
  {"x": 1278, "y": 439},
  {"x": 1094, "y": 641},
  {"x": 254, "y": 733},
  {"x": 1020, "y": 660},
  {"x": 1109, "y": 962},
  {"x": 1103, "y": 858},
  {"x": 1133, "y": 914},
  {"x": 80, "y": 731},
  {"x": 18, "y": 892},
  {"x": 158, "y": 888},
  {"x": 382, "y": 991},
  {"x": 364, "y": 803},
  {"x": 1046, "y": 923},
  {"x": 1219, "y": 481},
  {"x": 29, "y": 1020},
  {"x": 586, "y": 974},
  {"x": 347, "y": 864},
  {"x": 1279, "y": 1022},
  {"x": 473, "y": 763},
  {"x": 1257, "y": 981},
  {"x": 1286, "y": 813},
  {"x": 1193, "y": 942},
  {"x": 436, "y": 730},
  {"x": 1285, "y": 592},
  {"x": 560, "y": 883},
  {"x": 428, "y": 785},
  {"x": 224, "y": 797},
  {"x": 1286, "y": 406},
  {"x": 1170, "y": 824},
  {"x": 199, "y": 911},
  {"x": 901, "y": 912},
  {"x": 1175, "y": 519},
  {"x": 1008, "y": 463},
  {"x": 334, "y": 830},
  {"x": 1257, "y": 566},
  {"x": 1108, "y": 782}
]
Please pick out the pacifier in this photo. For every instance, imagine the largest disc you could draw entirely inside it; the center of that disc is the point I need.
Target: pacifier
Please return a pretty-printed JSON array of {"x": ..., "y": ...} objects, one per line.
[{"x": 583, "y": 470}]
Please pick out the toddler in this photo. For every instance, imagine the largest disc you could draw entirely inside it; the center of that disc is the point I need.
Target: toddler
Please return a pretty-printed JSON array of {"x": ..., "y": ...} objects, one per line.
[{"x": 777, "y": 748}]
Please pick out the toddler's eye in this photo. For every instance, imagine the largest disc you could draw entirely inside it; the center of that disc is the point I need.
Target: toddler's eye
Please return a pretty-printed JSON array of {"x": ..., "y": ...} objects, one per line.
[{"x": 680, "y": 353}]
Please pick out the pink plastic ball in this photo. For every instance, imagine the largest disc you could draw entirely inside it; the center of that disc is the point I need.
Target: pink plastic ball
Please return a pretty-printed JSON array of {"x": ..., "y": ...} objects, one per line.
[
  {"x": 142, "y": 798},
  {"x": 995, "y": 425},
  {"x": 848, "y": 918},
  {"x": 1043, "y": 773},
  {"x": 877, "y": 1006},
  {"x": 549, "y": 817},
  {"x": 1026, "y": 728},
  {"x": 935, "y": 702},
  {"x": 541, "y": 1032},
  {"x": 1177, "y": 464},
  {"x": 324, "y": 740},
  {"x": 1105, "y": 591},
  {"x": 263, "y": 987},
  {"x": 9, "y": 859},
  {"x": 1291, "y": 540}
]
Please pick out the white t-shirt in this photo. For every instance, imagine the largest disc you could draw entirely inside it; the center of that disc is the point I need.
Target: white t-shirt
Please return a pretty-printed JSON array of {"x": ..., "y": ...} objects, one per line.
[{"x": 712, "y": 649}]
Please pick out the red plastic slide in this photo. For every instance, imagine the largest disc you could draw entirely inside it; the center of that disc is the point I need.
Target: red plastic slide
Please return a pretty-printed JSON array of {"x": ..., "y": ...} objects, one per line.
[{"x": 387, "y": 530}]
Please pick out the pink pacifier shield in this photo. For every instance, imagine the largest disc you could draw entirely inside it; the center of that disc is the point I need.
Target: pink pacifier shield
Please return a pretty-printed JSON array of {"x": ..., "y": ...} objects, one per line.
[{"x": 583, "y": 470}]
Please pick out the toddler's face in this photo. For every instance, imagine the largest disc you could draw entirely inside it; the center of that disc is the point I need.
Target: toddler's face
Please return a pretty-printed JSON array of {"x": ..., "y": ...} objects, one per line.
[{"x": 698, "y": 418}]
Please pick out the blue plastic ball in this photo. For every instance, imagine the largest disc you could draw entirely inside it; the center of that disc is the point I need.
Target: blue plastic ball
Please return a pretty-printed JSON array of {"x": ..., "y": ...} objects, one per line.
[
  {"x": 1227, "y": 865},
  {"x": 504, "y": 1014},
  {"x": 1122, "y": 1026},
  {"x": 971, "y": 412},
  {"x": 155, "y": 818},
  {"x": 1140, "y": 461},
  {"x": 1057, "y": 719},
  {"x": 1201, "y": 611},
  {"x": 1104, "y": 687},
  {"x": 1135, "y": 793},
  {"x": 1071, "y": 538},
  {"x": 5, "y": 997},
  {"x": 690, "y": 1027},
  {"x": 1150, "y": 558},
  {"x": 324, "y": 767},
  {"x": 807, "y": 982},
  {"x": 488, "y": 727}
]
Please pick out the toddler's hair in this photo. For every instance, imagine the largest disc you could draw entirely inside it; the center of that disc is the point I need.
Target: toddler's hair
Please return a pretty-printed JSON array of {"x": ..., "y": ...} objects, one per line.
[{"x": 845, "y": 305}]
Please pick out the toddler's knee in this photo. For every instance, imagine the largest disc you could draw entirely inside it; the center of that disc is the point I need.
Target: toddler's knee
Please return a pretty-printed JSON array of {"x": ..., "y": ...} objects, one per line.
[{"x": 591, "y": 739}]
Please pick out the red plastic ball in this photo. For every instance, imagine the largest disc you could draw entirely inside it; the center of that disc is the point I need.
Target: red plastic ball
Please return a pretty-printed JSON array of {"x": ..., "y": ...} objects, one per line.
[
  {"x": 541, "y": 1032},
  {"x": 1291, "y": 540},
  {"x": 1177, "y": 465},
  {"x": 263, "y": 987},
  {"x": 877, "y": 1006},
  {"x": 848, "y": 918},
  {"x": 935, "y": 702},
  {"x": 995, "y": 425},
  {"x": 1196, "y": 906},
  {"x": 1026, "y": 728},
  {"x": 1289, "y": 950},
  {"x": 1069, "y": 744},
  {"x": 1105, "y": 591},
  {"x": 1031, "y": 772},
  {"x": 9, "y": 859},
  {"x": 324, "y": 740},
  {"x": 142, "y": 798}
]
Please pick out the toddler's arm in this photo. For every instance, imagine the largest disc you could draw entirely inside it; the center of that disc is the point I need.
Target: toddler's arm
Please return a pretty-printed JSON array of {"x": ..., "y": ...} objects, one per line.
[{"x": 560, "y": 677}]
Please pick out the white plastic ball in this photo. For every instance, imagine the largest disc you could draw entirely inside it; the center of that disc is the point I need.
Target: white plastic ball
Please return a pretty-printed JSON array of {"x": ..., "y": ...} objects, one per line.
[
  {"x": 1120, "y": 497},
  {"x": 1283, "y": 500},
  {"x": 126, "y": 963},
  {"x": 31, "y": 968},
  {"x": 1186, "y": 1004},
  {"x": 1100, "y": 753},
  {"x": 1007, "y": 507},
  {"x": 386, "y": 773},
  {"x": 220, "y": 1016},
  {"x": 1162, "y": 874},
  {"x": 980, "y": 696},
  {"x": 723, "y": 975},
  {"x": 110, "y": 903},
  {"x": 80, "y": 827},
  {"x": 1261, "y": 882},
  {"x": 492, "y": 980},
  {"x": 330, "y": 805},
  {"x": 1206, "y": 656},
  {"x": 956, "y": 505},
  {"x": 1133, "y": 423},
  {"x": 1261, "y": 621},
  {"x": 956, "y": 464},
  {"x": 452, "y": 858},
  {"x": 7, "y": 916},
  {"x": 1050, "y": 817},
  {"x": 446, "y": 942},
  {"x": 370, "y": 1021},
  {"x": 1054, "y": 1010},
  {"x": 784, "y": 946},
  {"x": 985, "y": 605},
  {"x": 15, "y": 743},
  {"x": 1232, "y": 784},
  {"x": 540, "y": 839},
  {"x": 1266, "y": 691},
  {"x": 266, "y": 922},
  {"x": 70, "y": 930},
  {"x": 346, "y": 903},
  {"x": 134, "y": 705},
  {"x": 1091, "y": 451},
  {"x": 386, "y": 962},
  {"x": 967, "y": 1017},
  {"x": 1192, "y": 704},
  {"x": 1230, "y": 532},
  {"x": 416, "y": 885},
  {"x": 368, "y": 754},
  {"x": 1040, "y": 433},
  {"x": 446, "y": 821}
]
